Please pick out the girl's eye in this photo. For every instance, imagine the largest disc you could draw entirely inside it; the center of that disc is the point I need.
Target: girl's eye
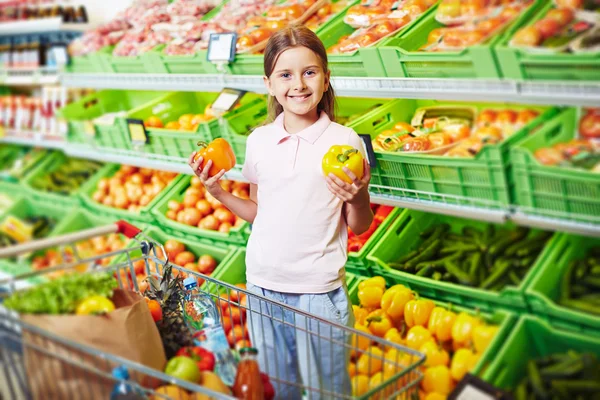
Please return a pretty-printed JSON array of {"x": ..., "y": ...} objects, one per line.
[
  {"x": 286, "y": 75},
  {"x": 310, "y": 72}
]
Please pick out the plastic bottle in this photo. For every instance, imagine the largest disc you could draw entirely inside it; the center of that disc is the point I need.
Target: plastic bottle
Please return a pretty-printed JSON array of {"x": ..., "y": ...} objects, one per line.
[
  {"x": 123, "y": 390},
  {"x": 202, "y": 317},
  {"x": 248, "y": 383}
]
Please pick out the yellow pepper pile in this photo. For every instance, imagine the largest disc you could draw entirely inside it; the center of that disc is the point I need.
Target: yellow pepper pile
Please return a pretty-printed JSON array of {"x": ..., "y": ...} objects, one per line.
[{"x": 451, "y": 342}]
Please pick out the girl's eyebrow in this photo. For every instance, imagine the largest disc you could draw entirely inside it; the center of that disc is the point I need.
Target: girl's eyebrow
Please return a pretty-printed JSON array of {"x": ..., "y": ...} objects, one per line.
[{"x": 279, "y": 71}]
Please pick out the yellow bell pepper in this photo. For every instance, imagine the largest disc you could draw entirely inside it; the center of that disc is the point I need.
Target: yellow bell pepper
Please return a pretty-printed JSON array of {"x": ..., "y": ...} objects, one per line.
[
  {"x": 462, "y": 361},
  {"x": 377, "y": 281},
  {"x": 370, "y": 296},
  {"x": 417, "y": 312},
  {"x": 394, "y": 300},
  {"x": 483, "y": 336},
  {"x": 434, "y": 354},
  {"x": 440, "y": 323},
  {"x": 462, "y": 330},
  {"x": 417, "y": 336},
  {"x": 339, "y": 157},
  {"x": 379, "y": 323},
  {"x": 438, "y": 380}
]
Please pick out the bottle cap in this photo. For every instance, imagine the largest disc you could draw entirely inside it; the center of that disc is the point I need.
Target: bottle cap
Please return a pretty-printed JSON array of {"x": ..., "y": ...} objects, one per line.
[
  {"x": 120, "y": 373},
  {"x": 190, "y": 282},
  {"x": 248, "y": 350}
]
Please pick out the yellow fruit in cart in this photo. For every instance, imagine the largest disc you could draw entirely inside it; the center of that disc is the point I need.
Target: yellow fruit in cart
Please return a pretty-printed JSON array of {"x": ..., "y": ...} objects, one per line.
[
  {"x": 370, "y": 362},
  {"x": 360, "y": 385},
  {"x": 171, "y": 391}
]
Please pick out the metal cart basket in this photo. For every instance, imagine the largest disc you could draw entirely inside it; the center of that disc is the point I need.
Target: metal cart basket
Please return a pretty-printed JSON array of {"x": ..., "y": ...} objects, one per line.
[{"x": 392, "y": 370}]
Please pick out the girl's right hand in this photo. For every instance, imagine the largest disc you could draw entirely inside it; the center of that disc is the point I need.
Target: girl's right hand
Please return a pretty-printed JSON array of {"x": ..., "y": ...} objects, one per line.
[{"x": 211, "y": 184}]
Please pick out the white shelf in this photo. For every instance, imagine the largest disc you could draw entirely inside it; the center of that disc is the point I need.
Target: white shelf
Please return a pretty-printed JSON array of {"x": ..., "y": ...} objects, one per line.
[
  {"x": 41, "y": 25},
  {"x": 29, "y": 76},
  {"x": 551, "y": 93},
  {"x": 427, "y": 202}
]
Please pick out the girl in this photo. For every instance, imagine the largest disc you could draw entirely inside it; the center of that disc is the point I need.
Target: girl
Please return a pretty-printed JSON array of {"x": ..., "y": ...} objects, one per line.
[{"x": 298, "y": 246}]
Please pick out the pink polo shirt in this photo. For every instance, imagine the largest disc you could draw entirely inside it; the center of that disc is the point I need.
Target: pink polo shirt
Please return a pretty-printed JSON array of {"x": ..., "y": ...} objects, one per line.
[{"x": 299, "y": 237}]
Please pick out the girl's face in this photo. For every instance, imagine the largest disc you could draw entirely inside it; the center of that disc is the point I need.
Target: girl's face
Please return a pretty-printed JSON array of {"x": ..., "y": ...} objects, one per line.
[{"x": 298, "y": 81}]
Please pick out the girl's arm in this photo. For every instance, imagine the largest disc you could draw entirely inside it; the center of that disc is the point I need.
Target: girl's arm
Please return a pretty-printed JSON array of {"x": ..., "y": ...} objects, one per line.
[
  {"x": 245, "y": 209},
  {"x": 359, "y": 216}
]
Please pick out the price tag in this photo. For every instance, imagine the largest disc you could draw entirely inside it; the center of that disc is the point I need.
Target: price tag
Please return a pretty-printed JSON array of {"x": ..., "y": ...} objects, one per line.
[
  {"x": 89, "y": 128},
  {"x": 474, "y": 388},
  {"x": 137, "y": 131},
  {"x": 221, "y": 47},
  {"x": 368, "y": 147},
  {"x": 61, "y": 57},
  {"x": 228, "y": 98}
]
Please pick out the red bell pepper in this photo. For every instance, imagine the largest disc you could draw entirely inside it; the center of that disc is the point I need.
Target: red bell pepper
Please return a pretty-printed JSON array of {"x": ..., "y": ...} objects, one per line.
[
  {"x": 205, "y": 360},
  {"x": 268, "y": 389}
]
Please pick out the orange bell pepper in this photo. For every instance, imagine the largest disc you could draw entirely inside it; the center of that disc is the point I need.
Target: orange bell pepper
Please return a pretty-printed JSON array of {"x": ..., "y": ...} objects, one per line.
[{"x": 221, "y": 154}]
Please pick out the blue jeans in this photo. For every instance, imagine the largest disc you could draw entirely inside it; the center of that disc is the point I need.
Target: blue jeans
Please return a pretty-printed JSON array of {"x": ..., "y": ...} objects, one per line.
[{"x": 293, "y": 348}]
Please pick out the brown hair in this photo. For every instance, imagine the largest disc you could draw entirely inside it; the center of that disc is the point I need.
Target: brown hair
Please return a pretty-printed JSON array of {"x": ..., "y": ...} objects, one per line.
[{"x": 287, "y": 38}]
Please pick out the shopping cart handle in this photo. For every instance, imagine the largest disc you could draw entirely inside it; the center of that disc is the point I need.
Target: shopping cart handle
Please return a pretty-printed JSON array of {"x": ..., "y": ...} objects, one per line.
[{"x": 127, "y": 229}]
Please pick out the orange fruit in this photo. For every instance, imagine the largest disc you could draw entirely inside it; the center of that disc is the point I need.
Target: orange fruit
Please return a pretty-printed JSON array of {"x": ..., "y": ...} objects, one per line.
[
  {"x": 172, "y": 391},
  {"x": 260, "y": 34},
  {"x": 173, "y": 125},
  {"x": 153, "y": 122},
  {"x": 244, "y": 42},
  {"x": 186, "y": 119}
]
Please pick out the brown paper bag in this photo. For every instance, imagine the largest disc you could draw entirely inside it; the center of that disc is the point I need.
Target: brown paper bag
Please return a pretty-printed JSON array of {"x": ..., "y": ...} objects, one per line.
[{"x": 56, "y": 371}]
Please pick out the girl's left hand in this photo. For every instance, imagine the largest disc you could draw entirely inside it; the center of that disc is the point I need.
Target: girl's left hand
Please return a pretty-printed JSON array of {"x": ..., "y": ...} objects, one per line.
[{"x": 352, "y": 193}]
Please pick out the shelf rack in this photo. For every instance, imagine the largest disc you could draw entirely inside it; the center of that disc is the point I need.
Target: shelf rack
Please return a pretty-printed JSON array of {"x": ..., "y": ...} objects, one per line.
[
  {"x": 29, "y": 76},
  {"x": 439, "y": 204},
  {"x": 42, "y": 25}
]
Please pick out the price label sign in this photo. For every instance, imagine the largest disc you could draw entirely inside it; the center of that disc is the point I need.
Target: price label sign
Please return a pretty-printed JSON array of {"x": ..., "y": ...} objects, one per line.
[
  {"x": 137, "y": 131},
  {"x": 474, "y": 388},
  {"x": 228, "y": 98},
  {"x": 368, "y": 147},
  {"x": 221, "y": 47}
]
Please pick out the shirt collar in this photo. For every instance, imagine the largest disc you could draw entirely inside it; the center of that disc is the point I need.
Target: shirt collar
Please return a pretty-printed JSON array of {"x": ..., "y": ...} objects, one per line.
[{"x": 310, "y": 134}]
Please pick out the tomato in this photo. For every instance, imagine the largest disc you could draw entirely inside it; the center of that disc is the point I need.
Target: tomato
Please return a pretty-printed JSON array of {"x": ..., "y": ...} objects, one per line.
[
  {"x": 561, "y": 15},
  {"x": 379, "y": 323},
  {"x": 462, "y": 330},
  {"x": 589, "y": 125},
  {"x": 205, "y": 360},
  {"x": 528, "y": 36},
  {"x": 440, "y": 323},
  {"x": 434, "y": 354},
  {"x": 155, "y": 309},
  {"x": 438, "y": 380},
  {"x": 547, "y": 27},
  {"x": 526, "y": 116},
  {"x": 417, "y": 312},
  {"x": 483, "y": 336},
  {"x": 416, "y": 144},
  {"x": 486, "y": 117},
  {"x": 417, "y": 336},
  {"x": 370, "y": 362},
  {"x": 184, "y": 257},
  {"x": 506, "y": 117}
]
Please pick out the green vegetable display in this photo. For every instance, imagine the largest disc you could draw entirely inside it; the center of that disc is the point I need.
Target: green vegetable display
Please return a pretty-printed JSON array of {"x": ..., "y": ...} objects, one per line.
[
  {"x": 68, "y": 177},
  {"x": 580, "y": 287},
  {"x": 61, "y": 296},
  {"x": 41, "y": 228},
  {"x": 568, "y": 376},
  {"x": 14, "y": 163},
  {"x": 488, "y": 260}
]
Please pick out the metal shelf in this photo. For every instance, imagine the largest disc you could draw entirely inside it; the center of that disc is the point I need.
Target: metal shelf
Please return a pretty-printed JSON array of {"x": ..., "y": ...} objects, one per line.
[
  {"x": 551, "y": 93},
  {"x": 29, "y": 76},
  {"x": 42, "y": 25},
  {"x": 404, "y": 198}
]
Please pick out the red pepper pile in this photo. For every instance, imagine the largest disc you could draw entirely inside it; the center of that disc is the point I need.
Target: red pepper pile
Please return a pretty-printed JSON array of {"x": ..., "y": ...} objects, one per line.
[{"x": 356, "y": 242}]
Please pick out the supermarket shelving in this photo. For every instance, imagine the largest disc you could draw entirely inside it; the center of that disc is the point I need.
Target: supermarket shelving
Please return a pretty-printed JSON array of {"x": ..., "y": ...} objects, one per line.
[
  {"x": 428, "y": 202},
  {"x": 551, "y": 93},
  {"x": 41, "y": 25},
  {"x": 29, "y": 76}
]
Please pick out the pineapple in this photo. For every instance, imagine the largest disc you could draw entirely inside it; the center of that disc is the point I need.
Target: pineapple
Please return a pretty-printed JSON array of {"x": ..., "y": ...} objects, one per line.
[{"x": 169, "y": 293}]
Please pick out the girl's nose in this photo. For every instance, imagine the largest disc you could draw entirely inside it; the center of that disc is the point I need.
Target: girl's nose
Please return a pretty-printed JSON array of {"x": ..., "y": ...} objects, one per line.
[{"x": 299, "y": 84}]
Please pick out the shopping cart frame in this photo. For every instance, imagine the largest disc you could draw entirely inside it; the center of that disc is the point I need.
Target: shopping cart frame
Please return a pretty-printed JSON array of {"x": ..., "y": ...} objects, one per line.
[{"x": 401, "y": 383}]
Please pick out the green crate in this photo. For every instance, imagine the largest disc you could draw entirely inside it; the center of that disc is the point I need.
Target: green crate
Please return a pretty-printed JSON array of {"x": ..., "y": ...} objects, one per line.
[
  {"x": 504, "y": 319},
  {"x": 401, "y": 57},
  {"x": 533, "y": 338},
  {"x": 481, "y": 180},
  {"x": 544, "y": 289},
  {"x": 360, "y": 257},
  {"x": 177, "y": 191},
  {"x": 550, "y": 190},
  {"x": 113, "y": 135},
  {"x": 51, "y": 163},
  {"x": 87, "y": 64},
  {"x": 403, "y": 236},
  {"x": 141, "y": 64},
  {"x": 176, "y": 143},
  {"x": 11, "y": 184},
  {"x": 522, "y": 64},
  {"x": 88, "y": 189}
]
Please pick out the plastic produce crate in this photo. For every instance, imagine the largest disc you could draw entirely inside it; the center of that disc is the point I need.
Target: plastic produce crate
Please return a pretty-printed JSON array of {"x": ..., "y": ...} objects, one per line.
[
  {"x": 504, "y": 319},
  {"x": 403, "y": 237},
  {"x": 401, "y": 57},
  {"x": 522, "y": 64},
  {"x": 112, "y": 213},
  {"x": 49, "y": 165},
  {"x": 544, "y": 289},
  {"x": 550, "y": 190},
  {"x": 236, "y": 235},
  {"x": 359, "y": 258},
  {"x": 177, "y": 143},
  {"x": 142, "y": 64},
  {"x": 112, "y": 134},
  {"x": 8, "y": 155},
  {"x": 87, "y": 64},
  {"x": 533, "y": 338},
  {"x": 481, "y": 180}
]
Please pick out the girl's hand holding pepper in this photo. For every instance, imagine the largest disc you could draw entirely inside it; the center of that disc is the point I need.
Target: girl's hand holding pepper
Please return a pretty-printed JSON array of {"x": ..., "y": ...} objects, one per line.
[
  {"x": 356, "y": 192},
  {"x": 210, "y": 183}
]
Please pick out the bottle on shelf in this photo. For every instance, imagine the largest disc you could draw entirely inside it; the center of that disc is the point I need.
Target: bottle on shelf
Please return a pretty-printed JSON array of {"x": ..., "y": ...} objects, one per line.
[
  {"x": 201, "y": 315},
  {"x": 123, "y": 390},
  {"x": 248, "y": 383}
]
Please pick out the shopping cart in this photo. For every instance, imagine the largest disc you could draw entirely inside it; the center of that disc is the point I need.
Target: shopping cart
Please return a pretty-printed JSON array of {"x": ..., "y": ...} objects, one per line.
[{"x": 398, "y": 376}]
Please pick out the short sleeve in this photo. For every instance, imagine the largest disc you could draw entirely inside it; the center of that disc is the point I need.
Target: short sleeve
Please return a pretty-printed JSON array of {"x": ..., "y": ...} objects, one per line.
[
  {"x": 249, "y": 168},
  {"x": 355, "y": 141}
]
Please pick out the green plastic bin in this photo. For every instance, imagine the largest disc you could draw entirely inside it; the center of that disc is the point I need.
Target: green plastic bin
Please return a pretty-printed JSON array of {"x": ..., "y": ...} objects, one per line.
[
  {"x": 544, "y": 289},
  {"x": 141, "y": 64},
  {"x": 550, "y": 190},
  {"x": 359, "y": 258},
  {"x": 112, "y": 134},
  {"x": 11, "y": 181},
  {"x": 87, "y": 64},
  {"x": 504, "y": 319},
  {"x": 177, "y": 143},
  {"x": 401, "y": 57},
  {"x": 481, "y": 180},
  {"x": 403, "y": 236},
  {"x": 143, "y": 216},
  {"x": 516, "y": 63},
  {"x": 177, "y": 191},
  {"x": 533, "y": 338}
]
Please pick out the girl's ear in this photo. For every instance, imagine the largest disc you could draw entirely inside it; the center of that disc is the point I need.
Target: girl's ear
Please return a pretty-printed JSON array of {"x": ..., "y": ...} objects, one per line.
[
  {"x": 267, "y": 82},
  {"x": 327, "y": 78}
]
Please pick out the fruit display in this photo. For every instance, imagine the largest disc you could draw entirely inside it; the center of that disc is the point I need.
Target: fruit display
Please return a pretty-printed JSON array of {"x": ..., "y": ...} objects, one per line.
[
  {"x": 571, "y": 374},
  {"x": 186, "y": 122},
  {"x": 581, "y": 284},
  {"x": 452, "y": 131},
  {"x": 556, "y": 31},
  {"x": 452, "y": 342},
  {"x": 477, "y": 31},
  {"x": 196, "y": 207},
  {"x": 67, "y": 177},
  {"x": 377, "y": 21},
  {"x": 455, "y": 12},
  {"x": 357, "y": 242},
  {"x": 131, "y": 188},
  {"x": 576, "y": 153},
  {"x": 579, "y": 5},
  {"x": 589, "y": 124},
  {"x": 489, "y": 259}
]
